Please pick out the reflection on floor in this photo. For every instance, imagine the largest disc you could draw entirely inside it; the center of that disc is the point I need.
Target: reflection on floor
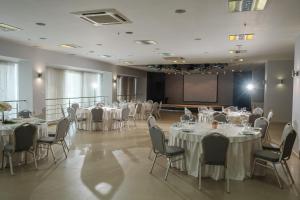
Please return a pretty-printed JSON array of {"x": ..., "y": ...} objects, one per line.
[{"x": 114, "y": 165}]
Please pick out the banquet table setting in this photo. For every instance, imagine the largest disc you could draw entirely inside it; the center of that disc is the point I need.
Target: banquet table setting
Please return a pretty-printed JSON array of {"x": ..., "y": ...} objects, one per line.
[
  {"x": 244, "y": 141},
  {"x": 7, "y": 130},
  {"x": 234, "y": 117}
]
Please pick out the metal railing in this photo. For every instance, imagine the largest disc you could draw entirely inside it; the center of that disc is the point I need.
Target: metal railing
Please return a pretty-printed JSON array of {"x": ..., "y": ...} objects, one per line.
[
  {"x": 55, "y": 106},
  {"x": 129, "y": 98},
  {"x": 16, "y": 107}
]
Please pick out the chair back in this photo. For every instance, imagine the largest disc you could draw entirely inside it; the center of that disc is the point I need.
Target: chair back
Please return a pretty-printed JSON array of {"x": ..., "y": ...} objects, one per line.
[
  {"x": 75, "y": 106},
  {"x": 270, "y": 116},
  {"x": 25, "y": 114},
  {"x": 262, "y": 123},
  {"x": 232, "y": 108},
  {"x": 150, "y": 101},
  {"x": 258, "y": 111},
  {"x": 252, "y": 119},
  {"x": 97, "y": 114},
  {"x": 155, "y": 107},
  {"x": 24, "y": 136},
  {"x": 62, "y": 111},
  {"x": 215, "y": 146},
  {"x": 158, "y": 140},
  {"x": 160, "y": 105},
  {"x": 62, "y": 129},
  {"x": 221, "y": 118},
  {"x": 151, "y": 121},
  {"x": 138, "y": 108},
  {"x": 71, "y": 114},
  {"x": 288, "y": 143},
  {"x": 125, "y": 114}
]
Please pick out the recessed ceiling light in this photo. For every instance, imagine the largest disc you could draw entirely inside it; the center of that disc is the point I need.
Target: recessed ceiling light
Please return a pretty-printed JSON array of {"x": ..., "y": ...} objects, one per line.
[
  {"x": 105, "y": 56},
  {"x": 7, "y": 27},
  {"x": 241, "y": 59},
  {"x": 146, "y": 42},
  {"x": 180, "y": 11},
  {"x": 43, "y": 38},
  {"x": 246, "y": 5},
  {"x": 238, "y": 51},
  {"x": 197, "y": 39},
  {"x": 99, "y": 44},
  {"x": 69, "y": 46},
  {"x": 40, "y": 24},
  {"x": 235, "y": 37},
  {"x": 129, "y": 32},
  {"x": 231, "y": 51}
]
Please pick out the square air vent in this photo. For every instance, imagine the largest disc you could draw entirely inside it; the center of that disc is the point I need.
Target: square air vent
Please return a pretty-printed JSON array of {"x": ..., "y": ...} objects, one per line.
[{"x": 102, "y": 17}]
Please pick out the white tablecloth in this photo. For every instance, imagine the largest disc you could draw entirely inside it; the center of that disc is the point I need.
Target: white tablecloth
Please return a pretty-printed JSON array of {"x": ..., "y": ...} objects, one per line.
[
  {"x": 6, "y": 131},
  {"x": 240, "y": 152},
  {"x": 109, "y": 114}
]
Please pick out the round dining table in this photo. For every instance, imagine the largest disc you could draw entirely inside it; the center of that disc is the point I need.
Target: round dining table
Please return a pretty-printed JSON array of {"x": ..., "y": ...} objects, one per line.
[
  {"x": 7, "y": 130},
  {"x": 244, "y": 141}
]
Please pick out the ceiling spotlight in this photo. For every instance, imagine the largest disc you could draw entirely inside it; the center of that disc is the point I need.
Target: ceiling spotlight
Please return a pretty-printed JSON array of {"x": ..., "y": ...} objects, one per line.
[
  {"x": 99, "y": 44},
  {"x": 180, "y": 11},
  {"x": 241, "y": 59},
  {"x": 146, "y": 42},
  {"x": 198, "y": 39},
  {"x": 69, "y": 46},
  {"x": 7, "y": 28},
  {"x": 129, "y": 32},
  {"x": 43, "y": 38},
  {"x": 231, "y": 51},
  {"x": 166, "y": 54},
  {"x": 40, "y": 24}
]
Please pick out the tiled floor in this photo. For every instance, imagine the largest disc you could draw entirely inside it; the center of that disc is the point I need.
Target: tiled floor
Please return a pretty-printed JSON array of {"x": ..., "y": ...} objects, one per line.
[{"x": 114, "y": 165}]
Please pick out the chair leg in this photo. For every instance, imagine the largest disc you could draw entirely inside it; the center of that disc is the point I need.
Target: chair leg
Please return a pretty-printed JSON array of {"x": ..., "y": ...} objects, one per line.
[
  {"x": 153, "y": 163},
  {"x": 227, "y": 180},
  {"x": 289, "y": 172},
  {"x": 62, "y": 144},
  {"x": 169, "y": 165},
  {"x": 10, "y": 165},
  {"x": 35, "y": 162},
  {"x": 276, "y": 174},
  {"x": 25, "y": 158},
  {"x": 2, "y": 164},
  {"x": 52, "y": 152},
  {"x": 200, "y": 176},
  {"x": 66, "y": 145},
  {"x": 184, "y": 162},
  {"x": 253, "y": 168}
]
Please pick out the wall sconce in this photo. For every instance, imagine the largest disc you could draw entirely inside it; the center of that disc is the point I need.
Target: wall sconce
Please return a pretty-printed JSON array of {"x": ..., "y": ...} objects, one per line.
[
  {"x": 280, "y": 81},
  {"x": 295, "y": 73},
  {"x": 39, "y": 75},
  {"x": 114, "y": 82}
]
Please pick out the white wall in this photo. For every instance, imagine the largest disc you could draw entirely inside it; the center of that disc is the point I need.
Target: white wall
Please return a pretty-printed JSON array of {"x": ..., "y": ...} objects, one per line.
[
  {"x": 39, "y": 59},
  {"x": 296, "y": 95},
  {"x": 279, "y": 98}
]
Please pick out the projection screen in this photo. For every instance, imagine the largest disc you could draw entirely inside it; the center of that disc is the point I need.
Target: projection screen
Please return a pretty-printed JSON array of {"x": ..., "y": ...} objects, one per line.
[{"x": 202, "y": 88}]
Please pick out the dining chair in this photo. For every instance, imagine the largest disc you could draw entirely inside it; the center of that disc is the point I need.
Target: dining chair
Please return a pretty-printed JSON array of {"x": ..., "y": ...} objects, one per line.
[
  {"x": 160, "y": 148},
  {"x": 221, "y": 118},
  {"x": 97, "y": 116},
  {"x": 188, "y": 117},
  {"x": 269, "y": 118},
  {"x": 134, "y": 115},
  {"x": 123, "y": 119},
  {"x": 263, "y": 124},
  {"x": 154, "y": 111},
  {"x": 159, "y": 109},
  {"x": 61, "y": 132},
  {"x": 252, "y": 118},
  {"x": 258, "y": 111},
  {"x": 25, "y": 113},
  {"x": 268, "y": 158},
  {"x": 24, "y": 138},
  {"x": 215, "y": 148},
  {"x": 62, "y": 111},
  {"x": 232, "y": 108},
  {"x": 75, "y": 106}
]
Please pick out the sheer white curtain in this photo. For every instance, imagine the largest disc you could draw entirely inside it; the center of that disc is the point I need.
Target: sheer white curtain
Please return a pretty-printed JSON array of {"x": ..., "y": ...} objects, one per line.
[
  {"x": 71, "y": 84},
  {"x": 9, "y": 84}
]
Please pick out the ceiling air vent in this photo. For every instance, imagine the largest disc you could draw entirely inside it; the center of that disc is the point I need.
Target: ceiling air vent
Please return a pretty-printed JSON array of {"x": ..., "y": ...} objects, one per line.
[{"x": 103, "y": 17}]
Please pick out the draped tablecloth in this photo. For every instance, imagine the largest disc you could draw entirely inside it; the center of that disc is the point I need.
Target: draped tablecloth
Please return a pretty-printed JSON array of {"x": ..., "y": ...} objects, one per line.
[
  {"x": 109, "y": 114},
  {"x": 6, "y": 133},
  {"x": 240, "y": 151}
]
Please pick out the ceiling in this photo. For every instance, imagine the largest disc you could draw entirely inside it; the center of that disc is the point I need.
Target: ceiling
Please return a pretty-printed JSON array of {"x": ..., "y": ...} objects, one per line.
[{"x": 275, "y": 29}]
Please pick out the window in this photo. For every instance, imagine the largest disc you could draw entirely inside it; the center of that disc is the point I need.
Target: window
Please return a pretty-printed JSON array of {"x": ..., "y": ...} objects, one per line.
[{"x": 9, "y": 85}]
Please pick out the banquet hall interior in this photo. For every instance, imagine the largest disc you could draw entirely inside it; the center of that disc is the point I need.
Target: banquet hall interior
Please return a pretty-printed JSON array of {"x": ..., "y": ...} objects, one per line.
[{"x": 149, "y": 99}]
